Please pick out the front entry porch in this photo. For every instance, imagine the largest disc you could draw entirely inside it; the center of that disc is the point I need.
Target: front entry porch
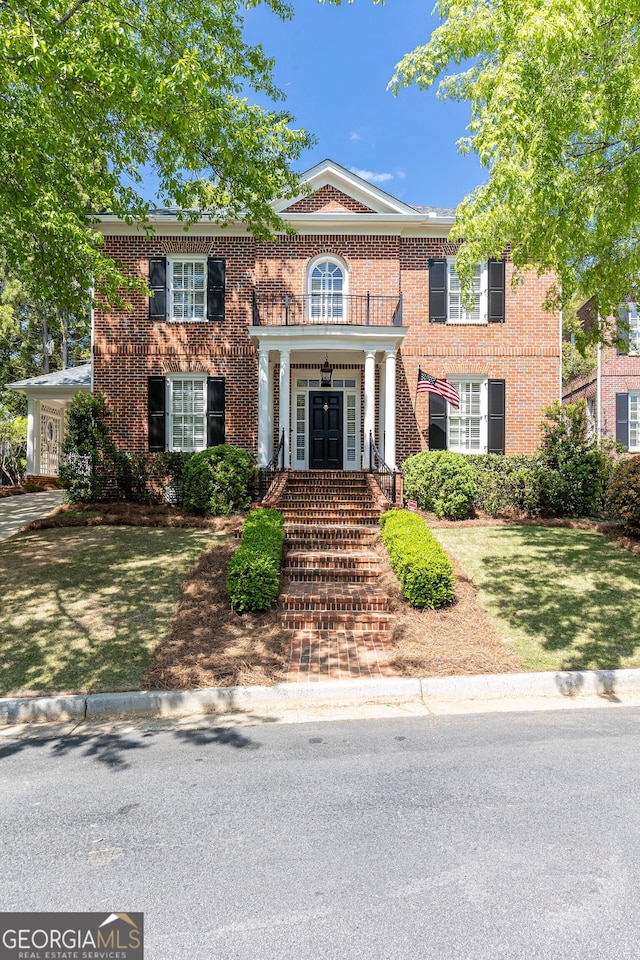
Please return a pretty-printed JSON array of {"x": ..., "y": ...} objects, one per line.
[{"x": 326, "y": 419}]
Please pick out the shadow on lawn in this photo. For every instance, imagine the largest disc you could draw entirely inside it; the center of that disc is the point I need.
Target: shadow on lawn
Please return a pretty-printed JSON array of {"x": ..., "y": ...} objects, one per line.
[{"x": 595, "y": 621}]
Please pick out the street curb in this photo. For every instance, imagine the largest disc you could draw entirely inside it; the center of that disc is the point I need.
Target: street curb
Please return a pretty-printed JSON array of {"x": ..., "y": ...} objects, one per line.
[{"x": 610, "y": 685}]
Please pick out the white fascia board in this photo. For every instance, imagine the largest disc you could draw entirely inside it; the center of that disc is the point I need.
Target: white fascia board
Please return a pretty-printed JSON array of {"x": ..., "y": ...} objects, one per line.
[
  {"x": 52, "y": 392},
  {"x": 304, "y": 223},
  {"x": 327, "y": 337},
  {"x": 329, "y": 173}
]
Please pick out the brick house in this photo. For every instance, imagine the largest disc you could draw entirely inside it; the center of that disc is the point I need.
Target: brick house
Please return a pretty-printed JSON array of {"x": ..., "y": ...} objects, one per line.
[
  {"x": 318, "y": 337},
  {"x": 612, "y": 392}
]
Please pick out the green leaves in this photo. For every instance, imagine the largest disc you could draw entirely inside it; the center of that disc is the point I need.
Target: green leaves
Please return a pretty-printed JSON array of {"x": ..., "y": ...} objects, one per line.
[
  {"x": 554, "y": 92},
  {"x": 92, "y": 92}
]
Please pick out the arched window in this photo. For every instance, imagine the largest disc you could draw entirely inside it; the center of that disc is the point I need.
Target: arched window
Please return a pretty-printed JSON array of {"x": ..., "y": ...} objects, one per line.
[{"x": 327, "y": 288}]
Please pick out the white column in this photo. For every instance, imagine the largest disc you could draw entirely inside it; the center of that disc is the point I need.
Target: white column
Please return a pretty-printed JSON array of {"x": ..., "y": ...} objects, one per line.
[
  {"x": 285, "y": 402},
  {"x": 264, "y": 440},
  {"x": 382, "y": 396},
  {"x": 270, "y": 411},
  {"x": 32, "y": 438},
  {"x": 369, "y": 402},
  {"x": 390, "y": 408}
]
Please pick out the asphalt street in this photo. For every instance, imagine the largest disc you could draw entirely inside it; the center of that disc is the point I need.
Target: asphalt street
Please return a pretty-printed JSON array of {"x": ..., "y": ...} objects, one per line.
[{"x": 487, "y": 836}]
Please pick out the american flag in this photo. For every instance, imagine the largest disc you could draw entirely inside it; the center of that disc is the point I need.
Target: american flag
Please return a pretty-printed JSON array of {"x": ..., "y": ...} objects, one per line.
[{"x": 435, "y": 385}]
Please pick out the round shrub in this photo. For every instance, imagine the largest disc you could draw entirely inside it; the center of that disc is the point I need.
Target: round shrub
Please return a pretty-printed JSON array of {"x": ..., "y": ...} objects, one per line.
[
  {"x": 442, "y": 482},
  {"x": 624, "y": 493},
  {"x": 218, "y": 480}
]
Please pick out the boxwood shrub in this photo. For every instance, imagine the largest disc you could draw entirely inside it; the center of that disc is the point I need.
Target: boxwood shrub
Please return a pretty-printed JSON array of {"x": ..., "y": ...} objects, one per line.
[
  {"x": 442, "y": 482},
  {"x": 624, "y": 493},
  {"x": 418, "y": 560},
  {"x": 253, "y": 573},
  {"x": 218, "y": 480}
]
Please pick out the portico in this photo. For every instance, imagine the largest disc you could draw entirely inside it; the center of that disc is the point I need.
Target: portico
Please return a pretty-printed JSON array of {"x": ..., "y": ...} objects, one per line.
[{"x": 326, "y": 422}]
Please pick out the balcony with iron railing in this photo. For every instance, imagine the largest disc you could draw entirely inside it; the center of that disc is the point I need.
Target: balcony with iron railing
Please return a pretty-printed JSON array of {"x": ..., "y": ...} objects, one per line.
[{"x": 326, "y": 308}]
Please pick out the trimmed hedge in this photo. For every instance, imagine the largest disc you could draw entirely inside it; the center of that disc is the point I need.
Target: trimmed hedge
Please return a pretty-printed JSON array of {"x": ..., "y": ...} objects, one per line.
[
  {"x": 253, "y": 574},
  {"x": 418, "y": 560},
  {"x": 624, "y": 493}
]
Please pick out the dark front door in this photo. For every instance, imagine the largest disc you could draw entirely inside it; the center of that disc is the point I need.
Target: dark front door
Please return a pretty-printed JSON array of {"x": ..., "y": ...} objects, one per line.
[{"x": 325, "y": 431}]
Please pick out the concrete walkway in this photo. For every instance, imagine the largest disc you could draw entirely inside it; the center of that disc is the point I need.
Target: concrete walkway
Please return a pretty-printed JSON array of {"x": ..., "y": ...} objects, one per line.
[{"x": 21, "y": 509}]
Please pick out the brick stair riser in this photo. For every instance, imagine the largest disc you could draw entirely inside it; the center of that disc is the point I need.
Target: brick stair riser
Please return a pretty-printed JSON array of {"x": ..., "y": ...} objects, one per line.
[
  {"x": 302, "y": 502},
  {"x": 319, "y": 545},
  {"x": 319, "y": 522},
  {"x": 329, "y": 536},
  {"x": 333, "y": 622},
  {"x": 297, "y": 575},
  {"x": 353, "y": 562},
  {"x": 326, "y": 607}
]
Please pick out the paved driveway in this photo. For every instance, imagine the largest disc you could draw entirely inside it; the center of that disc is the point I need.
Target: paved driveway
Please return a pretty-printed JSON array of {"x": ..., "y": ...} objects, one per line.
[{"x": 16, "y": 511}]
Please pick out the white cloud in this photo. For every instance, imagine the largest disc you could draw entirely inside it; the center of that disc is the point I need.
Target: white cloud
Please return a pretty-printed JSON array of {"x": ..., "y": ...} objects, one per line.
[
  {"x": 371, "y": 176},
  {"x": 400, "y": 174},
  {"x": 355, "y": 136}
]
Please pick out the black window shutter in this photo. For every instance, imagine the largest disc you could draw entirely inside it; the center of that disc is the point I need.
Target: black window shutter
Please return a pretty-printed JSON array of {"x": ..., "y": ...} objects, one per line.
[
  {"x": 215, "y": 410},
  {"x": 156, "y": 400},
  {"x": 438, "y": 291},
  {"x": 158, "y": 286},
  {"x": 496, "y": 291},
  {"x": 215, "y": 288},
  {"x": 437, "y": 422},
  {"x": 622, "y": 419},
  {"x": 496, "y": 417},
  {"x": 622, "y": 333}
]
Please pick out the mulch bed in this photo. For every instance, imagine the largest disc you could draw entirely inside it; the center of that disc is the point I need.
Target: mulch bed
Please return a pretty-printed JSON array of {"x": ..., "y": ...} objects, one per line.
[
  {"x": 30, "y": 487},
  {"x": 119, "y": 513}
]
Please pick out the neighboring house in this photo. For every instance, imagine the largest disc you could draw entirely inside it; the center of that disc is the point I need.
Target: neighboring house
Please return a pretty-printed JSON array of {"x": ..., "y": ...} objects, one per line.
[
  {"x": 613, "y": 391},
  {"x": 318, "y": 337},
  {"x": 48, "y": 397}
]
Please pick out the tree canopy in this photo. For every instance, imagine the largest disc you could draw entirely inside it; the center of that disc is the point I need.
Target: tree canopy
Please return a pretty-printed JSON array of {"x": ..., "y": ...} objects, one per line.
[
  {"x": 554, "y": 92},
  {"x": 94, "y": 90}
]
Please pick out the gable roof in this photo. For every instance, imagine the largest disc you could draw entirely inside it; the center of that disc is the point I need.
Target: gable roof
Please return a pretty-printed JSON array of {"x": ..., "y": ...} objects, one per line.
[{"x": 330, "y": 173}]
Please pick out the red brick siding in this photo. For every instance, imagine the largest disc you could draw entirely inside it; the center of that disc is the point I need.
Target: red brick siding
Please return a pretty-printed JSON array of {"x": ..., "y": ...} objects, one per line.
[
  {"x": 328, "y": 200},
  {"x": 128, "y": 347}
]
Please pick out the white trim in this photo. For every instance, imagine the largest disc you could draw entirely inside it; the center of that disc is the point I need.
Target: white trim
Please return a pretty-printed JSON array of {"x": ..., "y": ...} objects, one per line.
[
  {"x": 329, "y": 173},
  {"x": 483, "y": 306},
  {"x": 170, "y": 379},
  {"x": 172, "y": 259},
  {"x": 452, "y": 413},
  {"x": 337, "y": 262},
  {"x": 635, "y": 394},
  {"x": 312, "y": 373}
]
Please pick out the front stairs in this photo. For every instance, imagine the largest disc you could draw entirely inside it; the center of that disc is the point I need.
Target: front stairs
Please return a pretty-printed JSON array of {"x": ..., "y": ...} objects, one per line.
[{"x": 335, "y": 617}]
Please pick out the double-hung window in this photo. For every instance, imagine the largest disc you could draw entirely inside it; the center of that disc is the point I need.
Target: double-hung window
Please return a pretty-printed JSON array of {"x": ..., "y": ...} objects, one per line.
[
  {"x": 187, "y": 409},
  {"x": 467, "y": 426},
  {"x": 457, "y": 310},
  {"x": 632, "y": 317},
  {"x": 187, "y": 288},
  {"x": 447, "y": 303}
]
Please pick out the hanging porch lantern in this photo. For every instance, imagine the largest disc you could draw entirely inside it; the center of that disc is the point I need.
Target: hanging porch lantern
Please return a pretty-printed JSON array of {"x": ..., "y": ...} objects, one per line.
[{"x": 326, "y": 371}]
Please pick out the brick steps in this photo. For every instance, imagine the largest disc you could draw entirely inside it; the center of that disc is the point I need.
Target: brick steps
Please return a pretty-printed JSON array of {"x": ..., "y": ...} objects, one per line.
[
  {"x": 336, "y": 620},
  {"x": 300, "y": 536}
]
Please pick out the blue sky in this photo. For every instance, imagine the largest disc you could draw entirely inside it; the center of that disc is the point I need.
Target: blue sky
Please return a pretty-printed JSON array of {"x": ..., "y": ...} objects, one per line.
[{"x": 334, "y": 63}]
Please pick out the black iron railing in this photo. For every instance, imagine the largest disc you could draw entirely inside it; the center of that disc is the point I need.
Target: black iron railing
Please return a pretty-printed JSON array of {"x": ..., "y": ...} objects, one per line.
[
  {"x": 384, "y": 475},
  {"x": 365, "y": 310},
  {"x": 268, "y": 475}
]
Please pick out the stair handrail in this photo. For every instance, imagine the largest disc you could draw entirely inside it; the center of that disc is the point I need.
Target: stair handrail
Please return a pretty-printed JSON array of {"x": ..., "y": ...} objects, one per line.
[
  {"x": 384, "y": 475},
  {"x": 268, "y": 475}
]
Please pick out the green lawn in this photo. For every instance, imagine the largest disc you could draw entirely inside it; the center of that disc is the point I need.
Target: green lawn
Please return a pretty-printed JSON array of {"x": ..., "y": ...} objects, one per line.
[
  {"x": 82, "y": 609},
  {"x": 564, "y": 599}
]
